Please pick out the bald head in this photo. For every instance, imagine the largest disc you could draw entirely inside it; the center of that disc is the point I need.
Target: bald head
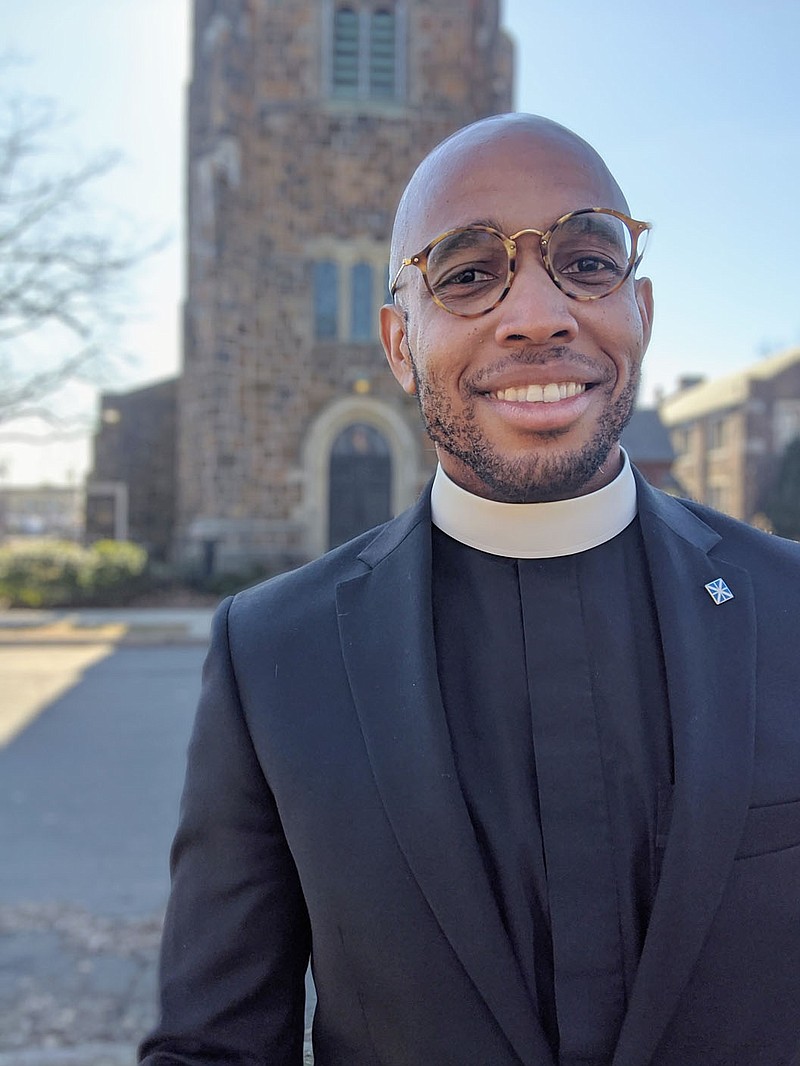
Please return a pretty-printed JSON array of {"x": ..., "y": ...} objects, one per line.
[{"x": 549, "y": 155}]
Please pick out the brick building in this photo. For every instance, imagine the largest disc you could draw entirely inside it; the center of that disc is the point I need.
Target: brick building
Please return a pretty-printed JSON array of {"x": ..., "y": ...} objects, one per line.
[
  {"x": 729, "y": 434},
  {"x": 130, "y": 492},
  {"x": 306, "y": 118}
]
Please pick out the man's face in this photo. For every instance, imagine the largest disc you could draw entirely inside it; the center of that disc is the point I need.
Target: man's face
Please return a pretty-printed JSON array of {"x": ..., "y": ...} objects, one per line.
[{"x": 526, "y": 403}]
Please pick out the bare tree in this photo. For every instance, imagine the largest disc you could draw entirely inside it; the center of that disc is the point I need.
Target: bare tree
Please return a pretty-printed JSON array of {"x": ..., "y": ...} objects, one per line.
[{"x": 62, "y": 270}]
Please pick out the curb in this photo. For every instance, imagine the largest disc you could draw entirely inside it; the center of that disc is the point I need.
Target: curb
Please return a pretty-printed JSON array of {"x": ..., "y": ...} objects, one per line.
[
  {"x": 91, "y": 1055},
  {"x": 132, "y": 638},
  {"x": 84, "y": 1055},
  {"x": 139, "y": 628}
]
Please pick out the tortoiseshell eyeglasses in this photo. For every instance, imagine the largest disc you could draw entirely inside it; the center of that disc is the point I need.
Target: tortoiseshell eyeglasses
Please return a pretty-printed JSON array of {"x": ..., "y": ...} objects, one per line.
[{"x": 588, "y": 253}]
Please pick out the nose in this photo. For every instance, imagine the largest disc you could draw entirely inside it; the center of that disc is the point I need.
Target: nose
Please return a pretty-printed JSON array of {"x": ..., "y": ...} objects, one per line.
[{"x": 535, "y": 310}]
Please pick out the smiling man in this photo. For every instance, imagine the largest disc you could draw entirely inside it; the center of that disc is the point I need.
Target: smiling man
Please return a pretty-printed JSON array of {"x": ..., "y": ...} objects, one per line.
[
  {"x": 528, "y": 383},
  {"x": 520, "y": 770}
]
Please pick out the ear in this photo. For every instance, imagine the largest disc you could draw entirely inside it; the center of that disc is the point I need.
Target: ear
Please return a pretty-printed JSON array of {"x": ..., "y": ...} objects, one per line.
[
  {"x": 395, "y": 344},
  {"x": 644, "y": 301}
]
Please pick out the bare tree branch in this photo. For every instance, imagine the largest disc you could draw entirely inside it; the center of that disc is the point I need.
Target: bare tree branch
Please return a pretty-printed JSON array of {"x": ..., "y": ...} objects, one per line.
[
  {"x": 22, "y": 396},
  {"x": 55, "y": 432},
  {"x": 62, "y": 273}
]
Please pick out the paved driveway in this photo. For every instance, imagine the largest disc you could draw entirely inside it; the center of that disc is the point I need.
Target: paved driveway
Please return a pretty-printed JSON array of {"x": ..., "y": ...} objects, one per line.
[{"x": 92, "y": 748}]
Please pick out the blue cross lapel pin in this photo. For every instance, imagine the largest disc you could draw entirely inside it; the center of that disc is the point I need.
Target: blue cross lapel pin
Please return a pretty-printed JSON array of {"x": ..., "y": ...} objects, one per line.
[{"x": 718, "y": 591}]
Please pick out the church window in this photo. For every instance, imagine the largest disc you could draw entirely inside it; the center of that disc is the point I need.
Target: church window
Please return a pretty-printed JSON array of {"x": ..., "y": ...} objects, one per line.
[
  {"x": 346, "y": 48},
  {"x": 382, "y": 55},
  {"x": 365, "y": 51},
  {"x": 362, "y": 310},
  {"x": 326, "y": 300}
]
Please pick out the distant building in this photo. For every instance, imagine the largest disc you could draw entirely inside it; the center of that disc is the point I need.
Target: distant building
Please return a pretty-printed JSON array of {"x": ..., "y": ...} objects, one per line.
[
  {"x": 647, "y": 442},
  {"x": 306, "y": 118},
  {"x": 130, "y": 492},
  {"x": 729, "y": 434},
  {"x": 41, "y": 511}
]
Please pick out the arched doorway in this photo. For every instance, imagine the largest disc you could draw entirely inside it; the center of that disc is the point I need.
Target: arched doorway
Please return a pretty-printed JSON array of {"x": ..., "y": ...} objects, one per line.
[{"x": 360, "y": 482}]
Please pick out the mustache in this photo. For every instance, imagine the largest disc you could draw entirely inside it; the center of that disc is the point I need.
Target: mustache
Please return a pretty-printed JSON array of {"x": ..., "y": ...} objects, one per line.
[{"x": 536, "y": 356}]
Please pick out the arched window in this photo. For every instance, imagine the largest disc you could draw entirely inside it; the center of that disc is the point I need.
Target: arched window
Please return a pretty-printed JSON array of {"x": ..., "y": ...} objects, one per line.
[
  {"x": 382, "y": 55},
  {"x": 326, "y": 300},
  {"x": 360, "y": 482},
  {"x": 346, "y": 51},
  {"x": 362, "y": 312}
]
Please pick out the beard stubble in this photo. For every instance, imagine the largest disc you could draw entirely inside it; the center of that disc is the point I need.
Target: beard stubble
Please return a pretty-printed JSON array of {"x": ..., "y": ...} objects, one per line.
[{"x": 534, "y": 478}]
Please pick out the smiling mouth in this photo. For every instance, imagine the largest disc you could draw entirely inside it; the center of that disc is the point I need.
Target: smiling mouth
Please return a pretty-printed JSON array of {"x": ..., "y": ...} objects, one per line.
[{"x": 550, "y": 393}]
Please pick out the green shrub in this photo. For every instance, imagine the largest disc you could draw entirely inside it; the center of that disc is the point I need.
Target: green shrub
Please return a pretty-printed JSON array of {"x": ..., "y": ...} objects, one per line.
[
  {"x": 51, "y": 573},
  {"x": 41, "y": 573},
  {"x": 116, "y": 570}
]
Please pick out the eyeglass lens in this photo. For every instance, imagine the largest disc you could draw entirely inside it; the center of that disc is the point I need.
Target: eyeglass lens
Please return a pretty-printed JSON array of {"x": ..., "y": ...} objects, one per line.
[{"x": 589, "y": 256}]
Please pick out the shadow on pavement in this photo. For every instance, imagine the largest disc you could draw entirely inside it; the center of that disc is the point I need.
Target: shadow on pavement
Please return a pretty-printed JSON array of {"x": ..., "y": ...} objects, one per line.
[{"x": 89, "y": 792}]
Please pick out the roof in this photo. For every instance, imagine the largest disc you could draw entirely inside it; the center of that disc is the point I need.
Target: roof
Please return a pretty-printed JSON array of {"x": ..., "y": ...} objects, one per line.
[
  {"x": 725, "y": 392},
  {"x": 646, "y": 439}
]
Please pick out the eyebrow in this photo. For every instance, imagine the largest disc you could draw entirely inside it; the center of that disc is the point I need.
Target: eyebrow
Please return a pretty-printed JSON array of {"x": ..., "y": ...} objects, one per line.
[
  {"x": 597, "y": 221},
  {"x": 605, "y": 228},
  {"x": 492, "y": 223}
]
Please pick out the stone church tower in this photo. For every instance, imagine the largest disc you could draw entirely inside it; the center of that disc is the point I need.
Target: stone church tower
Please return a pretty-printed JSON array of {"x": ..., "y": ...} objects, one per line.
[{"x": 306, "y": 118}]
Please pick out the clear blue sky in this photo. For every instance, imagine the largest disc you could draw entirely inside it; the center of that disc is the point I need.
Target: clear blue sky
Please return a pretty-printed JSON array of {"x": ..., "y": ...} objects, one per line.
[{"x": 694, "y": 106}]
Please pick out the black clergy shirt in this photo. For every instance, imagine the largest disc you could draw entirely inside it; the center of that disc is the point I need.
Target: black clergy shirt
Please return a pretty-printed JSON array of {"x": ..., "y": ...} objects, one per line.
[{"x": 553, "y": 685}]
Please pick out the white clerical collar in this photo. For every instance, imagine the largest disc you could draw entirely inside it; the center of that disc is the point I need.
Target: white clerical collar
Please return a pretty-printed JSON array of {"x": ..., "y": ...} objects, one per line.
[{"x": 534, "y": 530}]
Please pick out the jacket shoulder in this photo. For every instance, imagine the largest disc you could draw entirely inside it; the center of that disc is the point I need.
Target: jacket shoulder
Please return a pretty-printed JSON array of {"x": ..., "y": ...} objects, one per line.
[
  {"x": 740, "y": 538},
  {"x": 713, "y": 530},
  {"x": 299, "y": 598},
  {"x": 313, "y": 582}
]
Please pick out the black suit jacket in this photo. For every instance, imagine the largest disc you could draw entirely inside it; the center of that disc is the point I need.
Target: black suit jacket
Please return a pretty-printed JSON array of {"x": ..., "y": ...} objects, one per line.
[{"x": 322, "y": 811}]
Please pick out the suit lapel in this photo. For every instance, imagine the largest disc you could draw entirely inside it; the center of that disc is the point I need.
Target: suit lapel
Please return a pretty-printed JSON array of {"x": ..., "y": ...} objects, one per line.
[
  {"x": 386, "y": 630},
  {"x": 709, "y": 654}
]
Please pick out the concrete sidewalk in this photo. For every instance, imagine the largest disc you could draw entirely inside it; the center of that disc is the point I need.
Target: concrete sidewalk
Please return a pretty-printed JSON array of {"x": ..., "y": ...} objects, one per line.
[
  {"x": 90, "y": 778},
  {"x": 141, "y": 626}
]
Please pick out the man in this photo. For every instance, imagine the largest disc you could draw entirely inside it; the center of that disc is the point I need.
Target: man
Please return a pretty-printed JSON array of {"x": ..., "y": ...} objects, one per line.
[{"x": 521, "y": 768}]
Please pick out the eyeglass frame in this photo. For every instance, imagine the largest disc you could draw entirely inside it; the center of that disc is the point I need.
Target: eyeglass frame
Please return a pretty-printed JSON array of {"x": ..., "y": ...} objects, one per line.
[{"x": 420, "y": 260}]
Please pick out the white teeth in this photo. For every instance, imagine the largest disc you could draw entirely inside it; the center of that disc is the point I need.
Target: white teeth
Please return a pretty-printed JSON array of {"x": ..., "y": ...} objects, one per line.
[{"x": 550, "y": 393}]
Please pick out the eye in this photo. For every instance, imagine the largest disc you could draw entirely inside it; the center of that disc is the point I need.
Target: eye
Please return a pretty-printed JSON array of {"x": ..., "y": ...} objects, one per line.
[
  {"x": 590, "y": 269},
  {"x": 467, "y": 275},
  {"x": 468, "y": 259},
  {"x": 590, "y": 251},
  {"x": 589, "y": 264}
]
